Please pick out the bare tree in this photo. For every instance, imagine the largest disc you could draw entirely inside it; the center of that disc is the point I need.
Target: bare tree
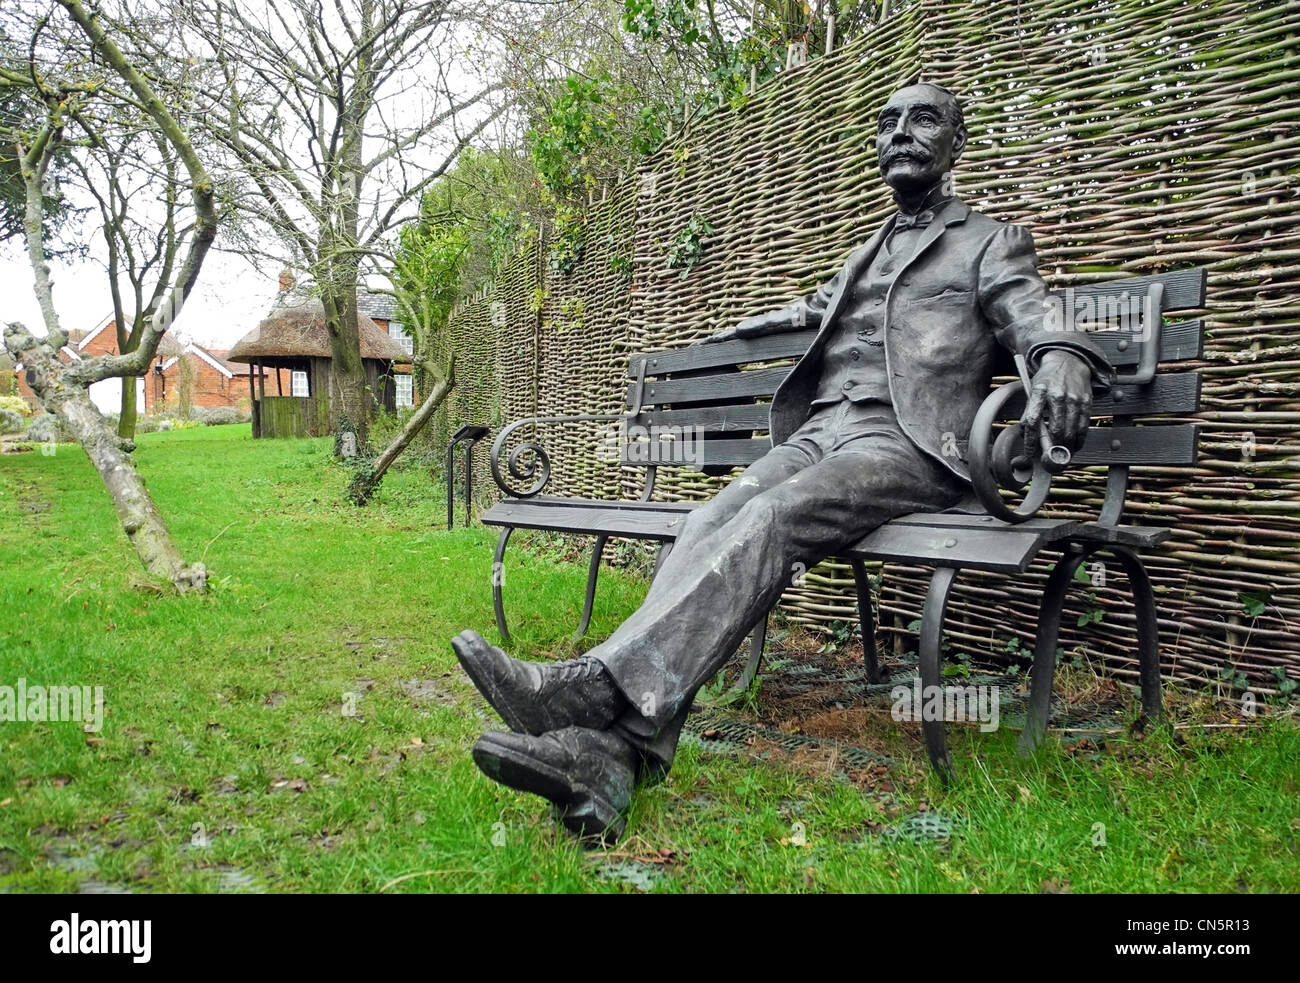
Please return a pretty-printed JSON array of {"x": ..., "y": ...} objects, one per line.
[
  {"x": 338, "y": 116},
  {"x": 133, "y": 176},
  {"x": 84, "y": 80}
]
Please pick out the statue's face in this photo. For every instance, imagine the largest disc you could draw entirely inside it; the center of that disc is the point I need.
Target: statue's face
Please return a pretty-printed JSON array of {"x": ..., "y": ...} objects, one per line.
[{"x": 916, "y": 139}]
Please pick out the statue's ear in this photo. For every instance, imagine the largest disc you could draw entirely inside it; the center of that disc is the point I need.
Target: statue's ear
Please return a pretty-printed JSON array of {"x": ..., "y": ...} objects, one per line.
[{"x": 958, "y": 142}]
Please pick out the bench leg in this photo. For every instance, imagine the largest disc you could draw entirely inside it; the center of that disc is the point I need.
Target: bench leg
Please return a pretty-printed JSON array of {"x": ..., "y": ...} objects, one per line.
[
  {"x": 1049, "y": 628},
  {"x": 936, "y": 605},
  {"x": 593, "y": 571},
  {"x": 1144, "y": 602},
  {"x": 758, "y": 638},
  {"x": 498, "y": 571},
  {"x": 867, "y": 620}
]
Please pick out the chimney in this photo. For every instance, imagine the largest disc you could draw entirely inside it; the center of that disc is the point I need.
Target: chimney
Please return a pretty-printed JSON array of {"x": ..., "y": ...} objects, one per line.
[{"x": 286, "y": 280}]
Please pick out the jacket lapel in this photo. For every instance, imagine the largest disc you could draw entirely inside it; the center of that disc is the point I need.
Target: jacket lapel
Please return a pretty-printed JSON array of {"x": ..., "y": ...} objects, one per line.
[
  {"x": 953, "y": 212},
  {"x": 853, "y": 268}
]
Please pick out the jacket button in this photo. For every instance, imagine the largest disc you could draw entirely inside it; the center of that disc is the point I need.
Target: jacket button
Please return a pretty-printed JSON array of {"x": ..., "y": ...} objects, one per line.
[
  {"x": 849, "y": 384},
  {"x": 855, "y": 354}
]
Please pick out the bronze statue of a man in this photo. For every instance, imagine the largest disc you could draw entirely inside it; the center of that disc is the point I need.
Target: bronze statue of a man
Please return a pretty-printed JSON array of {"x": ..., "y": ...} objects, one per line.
[{"x": 868, "y": 426}]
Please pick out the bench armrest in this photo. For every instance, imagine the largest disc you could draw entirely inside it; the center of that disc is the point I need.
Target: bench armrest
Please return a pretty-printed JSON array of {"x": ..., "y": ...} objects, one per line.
[
  {"x": 999, "y": 461},
  {"x": 537, "y": 468}
]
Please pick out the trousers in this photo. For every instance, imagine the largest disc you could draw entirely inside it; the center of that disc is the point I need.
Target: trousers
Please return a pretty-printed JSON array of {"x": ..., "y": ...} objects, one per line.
[{"x": 846, "y": 471}]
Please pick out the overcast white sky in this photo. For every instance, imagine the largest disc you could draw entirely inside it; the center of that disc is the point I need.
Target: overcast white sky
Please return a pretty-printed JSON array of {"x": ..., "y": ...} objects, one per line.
[{"x": 230, "y": 299}]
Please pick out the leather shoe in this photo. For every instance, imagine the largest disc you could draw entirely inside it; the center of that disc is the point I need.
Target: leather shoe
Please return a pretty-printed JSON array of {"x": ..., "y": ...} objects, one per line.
[
  {"x": 536, "y": 697},
  {"x": 588, "y": 774}
]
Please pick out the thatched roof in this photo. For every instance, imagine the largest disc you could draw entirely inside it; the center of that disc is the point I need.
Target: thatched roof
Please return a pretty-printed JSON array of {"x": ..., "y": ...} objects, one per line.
[{"x": 298, "y": 331}]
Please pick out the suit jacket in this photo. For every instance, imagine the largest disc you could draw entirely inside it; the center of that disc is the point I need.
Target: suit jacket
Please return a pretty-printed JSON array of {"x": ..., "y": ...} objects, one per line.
[{"x": 969, "y": 295}]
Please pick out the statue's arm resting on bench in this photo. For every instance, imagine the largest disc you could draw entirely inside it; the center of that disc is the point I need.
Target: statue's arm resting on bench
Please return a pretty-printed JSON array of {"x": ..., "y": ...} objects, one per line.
[
  {"x": 1064, "y": 365},
  {"x": 805, "y": 313}
]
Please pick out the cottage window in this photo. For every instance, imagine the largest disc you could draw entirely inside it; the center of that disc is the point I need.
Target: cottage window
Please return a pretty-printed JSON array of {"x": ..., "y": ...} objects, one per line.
[
  {"x": 298, "y": 383},
  {"x": 405, "y": 394},
  {"x": 399, "y": 335}
]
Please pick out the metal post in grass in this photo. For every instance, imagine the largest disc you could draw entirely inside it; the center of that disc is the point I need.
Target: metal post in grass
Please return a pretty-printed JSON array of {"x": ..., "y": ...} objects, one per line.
[{"x": 472, "y": 433}]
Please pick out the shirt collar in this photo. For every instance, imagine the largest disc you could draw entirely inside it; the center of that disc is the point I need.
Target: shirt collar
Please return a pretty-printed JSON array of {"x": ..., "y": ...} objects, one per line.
[{"x": 934, "y": 201}]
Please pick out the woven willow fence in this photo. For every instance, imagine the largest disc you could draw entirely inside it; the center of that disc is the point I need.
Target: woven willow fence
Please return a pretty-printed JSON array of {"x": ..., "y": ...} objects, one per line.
[{"x": 1130, "y": 137}]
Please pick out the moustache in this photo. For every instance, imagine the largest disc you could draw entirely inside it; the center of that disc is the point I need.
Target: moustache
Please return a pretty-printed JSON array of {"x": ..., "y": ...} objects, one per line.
[{"x": 913, "y": 155}]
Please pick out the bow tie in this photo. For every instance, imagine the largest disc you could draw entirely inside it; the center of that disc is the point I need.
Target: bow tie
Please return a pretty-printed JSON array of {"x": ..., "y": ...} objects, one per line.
[{"x": 918, "y": 221}]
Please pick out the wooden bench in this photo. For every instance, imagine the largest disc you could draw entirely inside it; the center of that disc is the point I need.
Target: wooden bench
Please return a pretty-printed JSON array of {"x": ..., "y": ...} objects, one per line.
[{"x": 722, "y": 389}]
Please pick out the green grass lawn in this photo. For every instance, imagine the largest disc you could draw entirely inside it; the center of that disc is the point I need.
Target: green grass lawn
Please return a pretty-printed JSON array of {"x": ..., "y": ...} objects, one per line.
[{"x": 226, "y": 760}]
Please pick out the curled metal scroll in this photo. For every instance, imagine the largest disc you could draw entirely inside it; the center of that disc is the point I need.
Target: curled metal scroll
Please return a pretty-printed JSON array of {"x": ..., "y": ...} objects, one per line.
[
  {"x": 539, "y": 460},
  {"x": 1002, "y": 461},
  {"x": 530, "y": 461}
]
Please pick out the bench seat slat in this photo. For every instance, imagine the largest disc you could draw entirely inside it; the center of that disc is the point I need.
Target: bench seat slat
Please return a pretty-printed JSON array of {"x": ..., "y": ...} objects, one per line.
[
  {"x": 979, "y": 542},
  {"x": 986, "y": 543},
  {"x": 1005, "y": 550},
  {"x": 1090, "y": 531},
  {"x": 634, "y": 505},
  {"x": 588, "y": 516}
]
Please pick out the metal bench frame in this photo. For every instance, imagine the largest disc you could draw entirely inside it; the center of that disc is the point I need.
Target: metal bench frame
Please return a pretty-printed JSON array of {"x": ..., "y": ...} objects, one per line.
[{"x": 716, "y": 387}]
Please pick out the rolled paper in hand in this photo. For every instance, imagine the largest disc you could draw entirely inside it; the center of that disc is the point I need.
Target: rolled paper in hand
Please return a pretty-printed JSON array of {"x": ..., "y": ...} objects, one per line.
[{"x": 1055, "y": 457}]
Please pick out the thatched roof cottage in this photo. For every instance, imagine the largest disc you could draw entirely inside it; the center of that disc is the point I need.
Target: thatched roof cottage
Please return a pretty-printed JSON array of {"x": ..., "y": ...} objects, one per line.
[{"x": 292, "y": 345}]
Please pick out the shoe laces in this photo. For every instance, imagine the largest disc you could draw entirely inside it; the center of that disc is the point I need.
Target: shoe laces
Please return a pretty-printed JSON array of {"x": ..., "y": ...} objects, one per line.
[{"x": 580, "y": 670}]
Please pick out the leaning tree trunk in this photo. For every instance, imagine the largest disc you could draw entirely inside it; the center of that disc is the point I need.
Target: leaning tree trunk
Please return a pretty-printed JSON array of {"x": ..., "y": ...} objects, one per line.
[
  {"x": 367, "y": 479},
  {"x": 71, "y": 403}
]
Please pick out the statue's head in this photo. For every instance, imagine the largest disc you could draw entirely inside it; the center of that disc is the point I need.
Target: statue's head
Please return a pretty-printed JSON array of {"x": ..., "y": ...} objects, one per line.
[{"x": 919, "y": 136}]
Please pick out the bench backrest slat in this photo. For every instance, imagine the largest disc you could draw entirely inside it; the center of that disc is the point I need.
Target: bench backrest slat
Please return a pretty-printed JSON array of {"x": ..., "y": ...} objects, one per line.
[
  {"x": 717, "y": 396},
  {"x": 1184, "y": 289},
  {"x": 723, "y": 355},
  {"x": 1181, "y": 342},
  {"x": 719, "y": 387},
  {"x": 723, "y": 454},
  {"x": 1169, "y": 392},
  {"x": 720, "y": 419},
  {"x": 1165, "y": 445}
]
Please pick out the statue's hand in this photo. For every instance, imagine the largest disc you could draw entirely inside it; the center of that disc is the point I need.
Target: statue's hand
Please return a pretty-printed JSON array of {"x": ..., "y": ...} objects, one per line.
[
  {"x": 713, "y": 339},
  {"x": 751, "y": 327},
  {"x": 1060, "y": 401}
]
